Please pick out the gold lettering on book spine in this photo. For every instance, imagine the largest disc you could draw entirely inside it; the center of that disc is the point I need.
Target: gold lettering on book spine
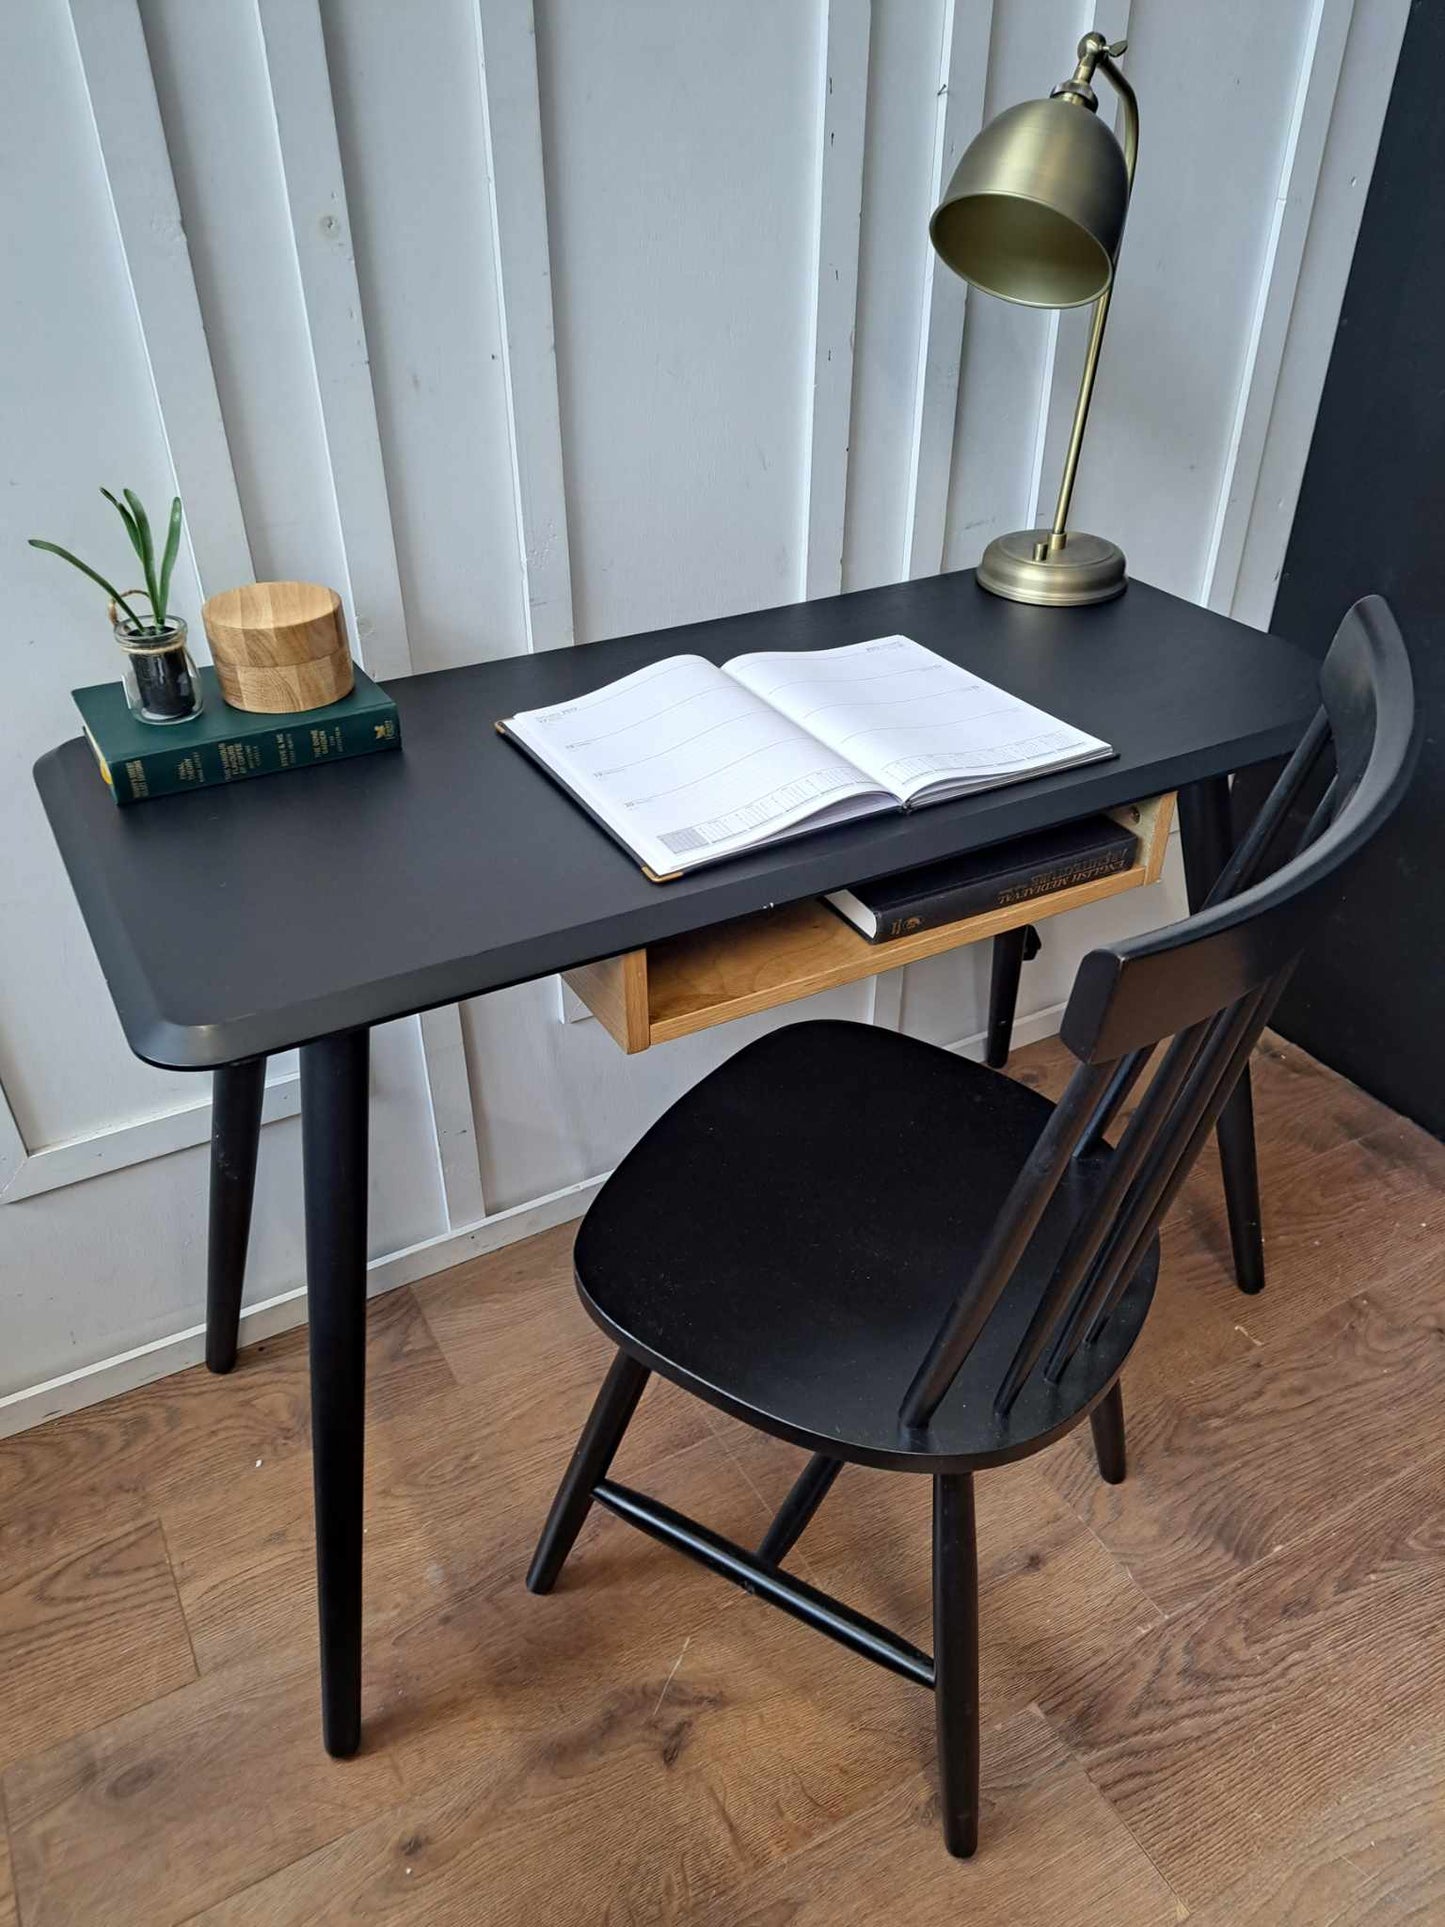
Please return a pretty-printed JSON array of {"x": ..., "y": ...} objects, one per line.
[{"x": 1047, "y": 881}]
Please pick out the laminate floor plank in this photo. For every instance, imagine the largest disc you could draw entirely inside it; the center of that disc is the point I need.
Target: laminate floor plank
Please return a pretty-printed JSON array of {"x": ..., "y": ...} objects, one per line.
[
  {"x": 1339, "y": 1219},
  {"x": 8, "y": 1915},
  {"x": 183, "y": 1800},
  {"x": 125, "y": 1459},
  {"x": 465, "y": 1858},
  {"x": 1376, "y": 1856},
  {"x": 1052, "y": 1854},
  {"x": 92, "y": 1633},
  {"x": 1244, "y": 1462},
  {"x": 439, "y": 1484},
  {"x": 1232, "y": 1725}
]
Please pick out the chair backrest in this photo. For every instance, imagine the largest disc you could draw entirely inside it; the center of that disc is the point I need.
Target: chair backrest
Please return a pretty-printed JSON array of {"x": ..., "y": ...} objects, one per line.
[{"x": 1208, "y": 983}]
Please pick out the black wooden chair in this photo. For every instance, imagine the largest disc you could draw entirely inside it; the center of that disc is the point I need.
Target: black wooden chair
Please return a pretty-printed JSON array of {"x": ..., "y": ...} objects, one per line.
[{"x": 894, "y": 1257}]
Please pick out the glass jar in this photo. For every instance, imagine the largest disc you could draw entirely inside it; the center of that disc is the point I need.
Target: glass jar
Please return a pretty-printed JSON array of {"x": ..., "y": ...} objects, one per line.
[{"x": 161, "y": 684}]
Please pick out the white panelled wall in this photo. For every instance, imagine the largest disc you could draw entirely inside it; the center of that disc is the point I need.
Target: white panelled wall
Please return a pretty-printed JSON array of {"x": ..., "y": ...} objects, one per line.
[{"x": 529, "y": 323}]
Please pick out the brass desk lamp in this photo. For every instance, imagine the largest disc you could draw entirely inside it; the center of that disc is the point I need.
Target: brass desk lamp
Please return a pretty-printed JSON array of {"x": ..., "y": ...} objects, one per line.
[{"x": 1034, "y": 213}]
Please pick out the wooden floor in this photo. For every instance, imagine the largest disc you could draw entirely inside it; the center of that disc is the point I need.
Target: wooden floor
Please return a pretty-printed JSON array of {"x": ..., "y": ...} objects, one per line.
[{"x": 1216, "y": 1693}]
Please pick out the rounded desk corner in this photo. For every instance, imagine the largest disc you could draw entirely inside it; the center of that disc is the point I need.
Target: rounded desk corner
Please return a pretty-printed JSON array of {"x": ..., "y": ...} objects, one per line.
[
  {"x": 170, "y": 1046},
  {"x": 47, "y": 758}
]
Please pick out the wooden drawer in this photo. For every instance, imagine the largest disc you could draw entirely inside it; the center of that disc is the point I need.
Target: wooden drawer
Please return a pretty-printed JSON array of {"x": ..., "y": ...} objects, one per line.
[{"x": 710, "y": 976}]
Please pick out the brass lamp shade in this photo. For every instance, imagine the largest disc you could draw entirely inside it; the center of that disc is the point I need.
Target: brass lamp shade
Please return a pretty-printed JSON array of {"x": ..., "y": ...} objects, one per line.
[
  {"x": 1035, "y": 213},
  {"x": 1035, "y": 209}
]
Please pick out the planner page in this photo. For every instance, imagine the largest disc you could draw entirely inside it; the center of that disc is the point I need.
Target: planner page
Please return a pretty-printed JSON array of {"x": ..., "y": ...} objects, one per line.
[
  {"x": 685, "y": 765},
  {"x": 919, "y": 725}
]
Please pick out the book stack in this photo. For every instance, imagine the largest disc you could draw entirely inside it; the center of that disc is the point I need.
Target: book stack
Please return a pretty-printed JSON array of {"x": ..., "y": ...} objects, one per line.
[
  {"x": 225, "y": 745},
  {"x": 1022, "y": 871}
]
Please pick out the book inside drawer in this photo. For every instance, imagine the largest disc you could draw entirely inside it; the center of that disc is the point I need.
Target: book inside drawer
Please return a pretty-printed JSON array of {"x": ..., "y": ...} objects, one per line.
[{"x": 707, "y": 977}]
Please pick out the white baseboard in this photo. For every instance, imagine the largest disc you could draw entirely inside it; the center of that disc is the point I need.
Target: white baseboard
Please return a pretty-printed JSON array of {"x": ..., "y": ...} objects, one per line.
[
  {"x": 34, "y": 1404},
  {"x": 1031, "y": 1029}
]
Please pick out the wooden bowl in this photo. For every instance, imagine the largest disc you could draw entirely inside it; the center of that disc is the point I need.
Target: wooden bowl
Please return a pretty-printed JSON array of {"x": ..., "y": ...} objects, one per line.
[{"x": 279, "y": 647}]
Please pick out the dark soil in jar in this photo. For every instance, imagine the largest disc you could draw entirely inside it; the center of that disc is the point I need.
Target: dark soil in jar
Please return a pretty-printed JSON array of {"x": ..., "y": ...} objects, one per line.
[{"x": 165, "y": 685}]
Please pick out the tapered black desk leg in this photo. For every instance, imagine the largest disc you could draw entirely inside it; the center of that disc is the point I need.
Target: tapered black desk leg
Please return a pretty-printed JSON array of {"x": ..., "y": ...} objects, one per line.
[
  {"x": 334, "y": 1155},
  {"x": 1012, "y": 949},
  {"x": 236, "y": 1093},
  {"x": 1207, "y": 836}
]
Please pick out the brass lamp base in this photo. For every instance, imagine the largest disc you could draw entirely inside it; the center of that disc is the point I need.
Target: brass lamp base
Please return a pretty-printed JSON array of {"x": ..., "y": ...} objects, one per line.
[{"x": 1085, "y": 568}]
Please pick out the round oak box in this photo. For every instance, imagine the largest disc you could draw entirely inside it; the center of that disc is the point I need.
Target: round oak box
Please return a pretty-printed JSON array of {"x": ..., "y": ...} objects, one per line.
[{"x": 279, "y": 646}]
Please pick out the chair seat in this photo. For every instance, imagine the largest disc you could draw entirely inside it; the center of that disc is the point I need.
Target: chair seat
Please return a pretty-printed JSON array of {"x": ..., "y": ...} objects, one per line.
[{"x": 786, "y": 1240}]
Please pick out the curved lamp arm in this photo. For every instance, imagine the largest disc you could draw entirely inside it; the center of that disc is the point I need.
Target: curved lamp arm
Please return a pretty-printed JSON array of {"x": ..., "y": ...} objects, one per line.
[{"x": 1094, "y": 53}]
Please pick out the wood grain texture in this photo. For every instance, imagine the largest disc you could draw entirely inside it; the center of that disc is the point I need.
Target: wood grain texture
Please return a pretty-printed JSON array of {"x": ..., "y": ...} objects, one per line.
[
  {"x": 127, "y": 1459},
  {"x": 86, "y": 1637},
  {"x": 1218, "y": 1688},
  {"x": 183, "y": 1801},
  {"x": 8, "y": 1915},
  {"x": 711, "y": 976},
  {"x": 1269, "y": 1697},
  {"x": 290, "y": 688},
  {"x": 1377, "y": 1855},
  {"x": 279, "y": 647},
  {"x": 1245, "y": 1461},
  {"x": 1056, "y": 1856},
  {"x": 756, "y": 963},
  {"x": 263, "y": 625},
  {"x": 615, "y": 991}
]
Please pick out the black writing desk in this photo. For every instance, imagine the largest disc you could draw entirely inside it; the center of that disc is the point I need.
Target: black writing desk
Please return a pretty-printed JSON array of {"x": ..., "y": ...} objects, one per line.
[{"x": 236, "y": 922}]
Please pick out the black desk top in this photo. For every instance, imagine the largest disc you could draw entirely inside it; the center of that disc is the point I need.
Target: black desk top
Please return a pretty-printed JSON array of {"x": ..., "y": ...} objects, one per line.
[{"x": 233, "y": 922}]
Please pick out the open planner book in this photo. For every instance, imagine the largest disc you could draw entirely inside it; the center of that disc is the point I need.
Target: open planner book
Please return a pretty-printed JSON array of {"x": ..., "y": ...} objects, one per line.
[{"x": 685, "y": 763}]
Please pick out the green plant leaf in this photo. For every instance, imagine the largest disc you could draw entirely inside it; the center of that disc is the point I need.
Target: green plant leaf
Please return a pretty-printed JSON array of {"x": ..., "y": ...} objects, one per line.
[
  {"x": 54, "y": 548},
  {"x": 148, "y": 552},
  {"x": 131, "y": 528},
  {"x": 168, "y": 562},
  {"x": 130, "y": 524}
]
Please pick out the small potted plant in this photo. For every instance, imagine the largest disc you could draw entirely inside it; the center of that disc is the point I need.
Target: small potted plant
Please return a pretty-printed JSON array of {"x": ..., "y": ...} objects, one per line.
[{"x": 161, "y": 684}]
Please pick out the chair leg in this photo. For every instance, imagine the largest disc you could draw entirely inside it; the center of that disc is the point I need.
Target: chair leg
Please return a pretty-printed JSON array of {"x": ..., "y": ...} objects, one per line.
[
  {"x": 1009, "y": 953},
  {"x": 807, "y": 1493},
  {"x": 1106, "y": 1422},
  {"x": 1239, "y": 1168},
  {"x": 601, "y": 1436},
  {"x": 955, "y": 1658}
]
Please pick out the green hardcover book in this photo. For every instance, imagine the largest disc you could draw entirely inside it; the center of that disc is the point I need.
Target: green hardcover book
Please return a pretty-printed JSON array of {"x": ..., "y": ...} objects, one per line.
[{"x": 225, "y": 745}]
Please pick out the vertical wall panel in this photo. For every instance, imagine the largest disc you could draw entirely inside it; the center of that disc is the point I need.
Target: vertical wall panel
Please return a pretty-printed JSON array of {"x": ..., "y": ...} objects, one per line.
[
  {"x": 1209, "y": 168},
  {"x": 679, "y": 150},
  {"x": 842, "y": 100},
  {"x": 302, "y": 125},
  {"x": 958, "y": 114},
  {"x": 517, "y": 194},
  {"x": 77, "y": 408},
  {"x": 210, "y": 72},
  {"x": 410, "y": 122},
  {"x": 137, "y": 171},
  {"x": 903, "y": 59}
]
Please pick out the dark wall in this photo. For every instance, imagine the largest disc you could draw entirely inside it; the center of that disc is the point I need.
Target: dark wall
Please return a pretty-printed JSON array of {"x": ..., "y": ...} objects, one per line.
[{"x": 1370, "y": 999}]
